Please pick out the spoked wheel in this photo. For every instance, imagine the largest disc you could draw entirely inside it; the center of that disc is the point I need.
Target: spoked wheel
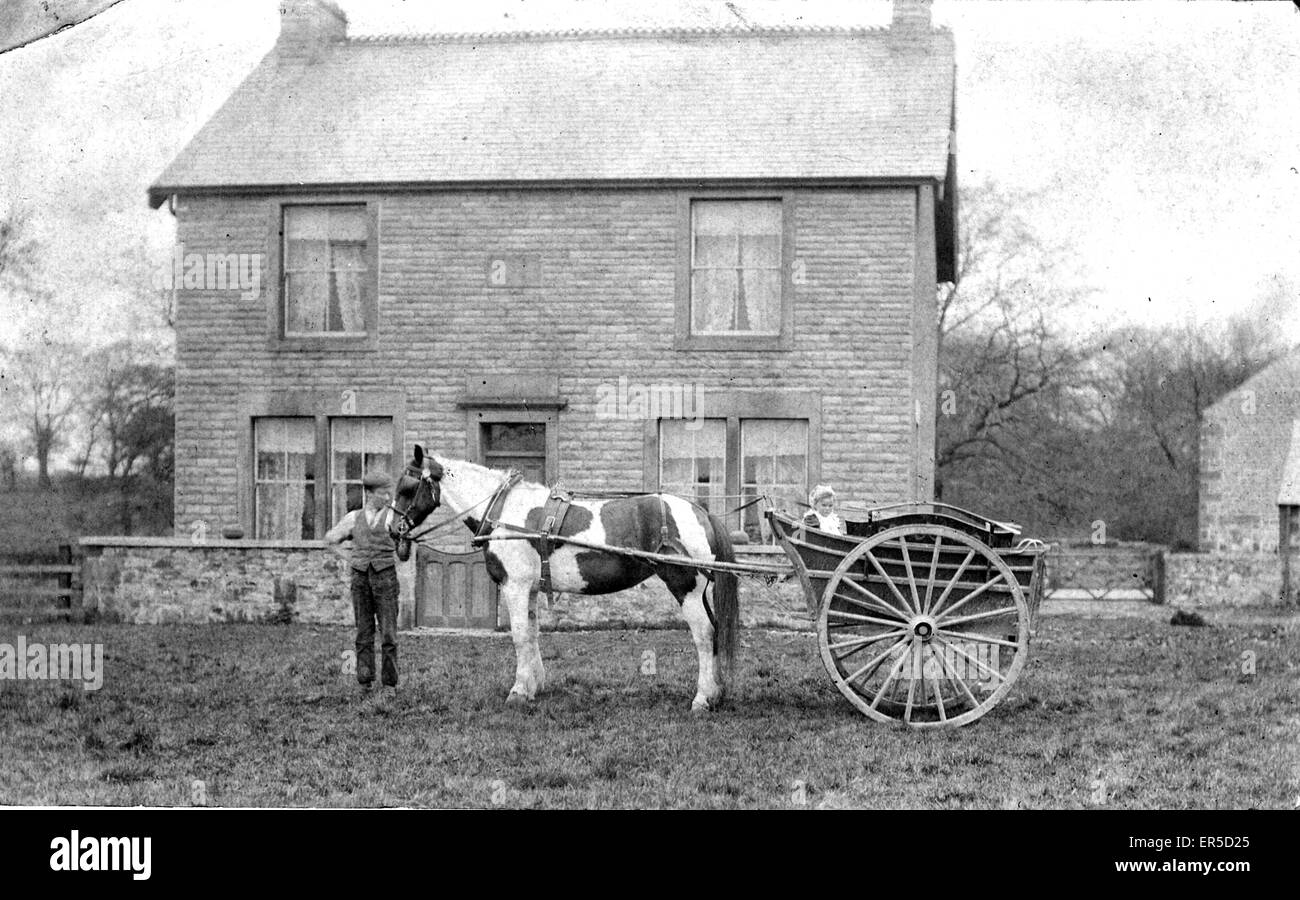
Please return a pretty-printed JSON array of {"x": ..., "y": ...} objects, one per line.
[{"x": 924, "y": 625}]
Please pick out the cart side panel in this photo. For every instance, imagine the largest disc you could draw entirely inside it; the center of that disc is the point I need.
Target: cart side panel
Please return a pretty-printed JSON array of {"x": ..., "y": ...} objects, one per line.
[{"x": 814, "y": 555}]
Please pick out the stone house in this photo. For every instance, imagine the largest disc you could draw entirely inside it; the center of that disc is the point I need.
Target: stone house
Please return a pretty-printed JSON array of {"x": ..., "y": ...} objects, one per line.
[
  {"x": 1250, "y": 462},
  {"x": 702, "y": 261}
]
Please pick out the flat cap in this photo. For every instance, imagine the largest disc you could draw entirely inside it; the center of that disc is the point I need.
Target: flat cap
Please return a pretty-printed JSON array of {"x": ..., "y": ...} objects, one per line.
[{"x": 376, "y": 480}]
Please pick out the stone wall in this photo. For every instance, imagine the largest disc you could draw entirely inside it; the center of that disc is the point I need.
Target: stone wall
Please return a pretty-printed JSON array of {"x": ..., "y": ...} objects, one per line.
[
  {"x": 1223, "y": 579},
  {"x": 156, "y": 580}
]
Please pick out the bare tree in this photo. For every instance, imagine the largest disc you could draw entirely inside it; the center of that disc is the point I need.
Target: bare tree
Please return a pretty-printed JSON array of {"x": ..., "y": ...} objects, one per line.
[
  {"x": 8, "y": 465},
  {"x": 1004, "y": 359},
  {"x": 1162, "y": 381},
  {"x": 39, "y": 385},
  {"x": 129, "y": 404}
]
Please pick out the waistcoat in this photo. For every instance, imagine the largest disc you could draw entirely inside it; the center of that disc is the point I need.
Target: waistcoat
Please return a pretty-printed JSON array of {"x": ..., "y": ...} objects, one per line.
[{"x": 371, "y": 546}]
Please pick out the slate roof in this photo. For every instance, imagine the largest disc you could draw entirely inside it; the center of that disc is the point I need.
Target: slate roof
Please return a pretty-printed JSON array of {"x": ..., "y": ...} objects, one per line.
[
  {"x": 598, "y": 106},
  {"x": 1279, "y": 379}
]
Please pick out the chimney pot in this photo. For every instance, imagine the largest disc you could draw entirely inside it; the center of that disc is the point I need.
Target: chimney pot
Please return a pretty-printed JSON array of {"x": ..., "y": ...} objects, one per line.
[{"x": 308, "y": 27}]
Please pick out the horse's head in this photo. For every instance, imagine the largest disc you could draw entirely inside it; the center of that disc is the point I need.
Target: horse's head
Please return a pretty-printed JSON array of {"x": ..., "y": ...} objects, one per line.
[{"x": 418, "y": 492}]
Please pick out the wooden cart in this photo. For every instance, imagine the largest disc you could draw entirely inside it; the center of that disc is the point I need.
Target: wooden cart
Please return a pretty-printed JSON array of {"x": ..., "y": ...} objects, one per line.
[{"x": 924, "y": 611}]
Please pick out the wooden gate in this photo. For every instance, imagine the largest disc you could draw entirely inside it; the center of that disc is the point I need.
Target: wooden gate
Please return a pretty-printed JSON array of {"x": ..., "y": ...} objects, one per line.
[
  {"x": 40, "y": 589},
  {"x": 1106, "y": 572},
  {"x": 453, "y": 590}
]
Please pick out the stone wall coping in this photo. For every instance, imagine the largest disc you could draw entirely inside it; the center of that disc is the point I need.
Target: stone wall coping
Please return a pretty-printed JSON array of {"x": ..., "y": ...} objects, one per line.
[
  {"x": 1222, "y": 554},
  {"x": 210, "y": 544}
]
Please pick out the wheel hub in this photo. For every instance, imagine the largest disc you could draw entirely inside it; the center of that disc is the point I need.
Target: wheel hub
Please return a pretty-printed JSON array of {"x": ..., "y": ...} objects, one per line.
[{"x": 922, "y": 628}]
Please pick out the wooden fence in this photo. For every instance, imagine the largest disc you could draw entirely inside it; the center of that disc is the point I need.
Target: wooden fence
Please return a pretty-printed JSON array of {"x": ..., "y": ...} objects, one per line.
[{"x": 40, "y": 589}]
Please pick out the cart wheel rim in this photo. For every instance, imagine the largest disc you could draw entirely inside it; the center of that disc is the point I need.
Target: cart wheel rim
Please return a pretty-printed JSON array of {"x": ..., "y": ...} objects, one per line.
[{"x": 910, "y": 636}]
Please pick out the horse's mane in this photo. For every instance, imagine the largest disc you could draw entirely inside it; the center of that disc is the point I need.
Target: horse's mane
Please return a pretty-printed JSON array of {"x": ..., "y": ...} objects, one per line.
[{"x": 452, "y": 464}]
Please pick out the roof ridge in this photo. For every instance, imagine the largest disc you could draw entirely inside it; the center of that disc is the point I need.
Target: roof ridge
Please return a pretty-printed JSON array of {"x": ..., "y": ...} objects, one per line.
[{"x": 614, "y": 33}]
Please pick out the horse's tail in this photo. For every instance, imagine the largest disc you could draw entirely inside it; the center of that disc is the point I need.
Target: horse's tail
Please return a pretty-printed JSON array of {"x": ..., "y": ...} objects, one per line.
[{"x": 726, "y": 597}]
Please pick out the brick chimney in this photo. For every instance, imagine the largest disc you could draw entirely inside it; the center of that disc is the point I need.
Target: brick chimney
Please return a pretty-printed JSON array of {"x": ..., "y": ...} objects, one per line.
[
  {"x": 910, "y": 30},
  {"x": 911, "y": 15},
  {"x": 308, "y": 28}
]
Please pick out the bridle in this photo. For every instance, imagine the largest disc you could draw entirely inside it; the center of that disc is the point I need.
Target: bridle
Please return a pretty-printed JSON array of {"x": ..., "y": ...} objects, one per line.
[
  {"x": 426, "y": 480},
  {"x": 405, "y": 525}
]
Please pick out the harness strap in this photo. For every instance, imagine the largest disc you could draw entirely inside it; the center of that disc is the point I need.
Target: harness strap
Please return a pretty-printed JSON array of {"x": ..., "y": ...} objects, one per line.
[
  {"x": 498, "y": 500},
  {"x": 557, "y": 507}
]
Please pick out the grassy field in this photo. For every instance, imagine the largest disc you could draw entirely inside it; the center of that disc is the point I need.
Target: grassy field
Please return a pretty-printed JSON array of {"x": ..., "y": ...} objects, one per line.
[{"x": 1119, "y": 713}]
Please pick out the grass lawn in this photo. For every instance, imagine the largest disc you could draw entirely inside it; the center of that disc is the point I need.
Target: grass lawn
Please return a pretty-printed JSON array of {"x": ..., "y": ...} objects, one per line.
[{"x": 1120, "y": 713}]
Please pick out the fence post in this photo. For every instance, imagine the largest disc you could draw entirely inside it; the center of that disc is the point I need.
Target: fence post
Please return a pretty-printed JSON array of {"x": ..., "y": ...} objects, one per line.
[
  {"x": 1158, "y": 576},
  {"x": 65, "y": 578}
]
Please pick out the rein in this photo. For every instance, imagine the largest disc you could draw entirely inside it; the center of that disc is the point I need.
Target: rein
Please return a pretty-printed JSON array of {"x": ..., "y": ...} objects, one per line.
[{"x": 419, "y": 538}]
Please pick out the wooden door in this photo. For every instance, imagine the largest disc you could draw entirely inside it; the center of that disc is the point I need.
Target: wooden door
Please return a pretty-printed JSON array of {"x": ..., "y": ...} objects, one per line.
[{"x": 453, "y": 590}]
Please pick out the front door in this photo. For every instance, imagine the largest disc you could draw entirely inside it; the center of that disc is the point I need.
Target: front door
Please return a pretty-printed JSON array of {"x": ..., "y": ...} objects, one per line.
[{"x": 453, "y": 589}]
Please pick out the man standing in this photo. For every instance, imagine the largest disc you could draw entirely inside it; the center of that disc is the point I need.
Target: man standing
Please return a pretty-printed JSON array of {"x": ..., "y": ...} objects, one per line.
[{"x": 374, "y": 577}]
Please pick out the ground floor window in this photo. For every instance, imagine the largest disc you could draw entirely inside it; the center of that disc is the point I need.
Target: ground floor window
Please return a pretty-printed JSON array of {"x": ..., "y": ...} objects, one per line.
[
  {"x": 723, "y": 464},
  {"x": 290, "y": 451},
  {"x": 358, "y": 447},
  {"x": 774, "y": 461},
  {"x": 693, "y": 461},
  {"x": 1290, "y": 519},
  {"x": 284, "y": 495}
]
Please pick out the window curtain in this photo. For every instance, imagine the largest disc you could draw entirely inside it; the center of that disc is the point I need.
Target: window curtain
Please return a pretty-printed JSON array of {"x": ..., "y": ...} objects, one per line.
[
  {"x": 349, "y": 269},
  {"x": 693, "y": 463},
  {"x": 285, "y": 478},
  {"x": 325, "y": 268},
  {"x": 307, "y": 262},
  {"x": 774, "y": 461},
  {"x": 736, "y": 265}
]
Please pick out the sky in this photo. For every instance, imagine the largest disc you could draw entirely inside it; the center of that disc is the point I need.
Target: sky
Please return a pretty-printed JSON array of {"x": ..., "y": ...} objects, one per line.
[{"x": 1159, "y": 138}]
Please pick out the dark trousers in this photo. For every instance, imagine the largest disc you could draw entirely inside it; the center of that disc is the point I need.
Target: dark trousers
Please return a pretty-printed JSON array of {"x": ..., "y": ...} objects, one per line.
[{"x": 374, "y": 595}]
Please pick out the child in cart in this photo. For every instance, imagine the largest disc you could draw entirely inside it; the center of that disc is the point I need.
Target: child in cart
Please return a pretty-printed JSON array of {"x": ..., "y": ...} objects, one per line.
[{"x": 822, "y": 514}]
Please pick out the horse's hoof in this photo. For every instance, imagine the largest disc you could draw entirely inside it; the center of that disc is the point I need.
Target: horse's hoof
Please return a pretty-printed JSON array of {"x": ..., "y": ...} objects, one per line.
[
  {"x": 516, "y": 700},
  {"x": 700, "y": 708}
]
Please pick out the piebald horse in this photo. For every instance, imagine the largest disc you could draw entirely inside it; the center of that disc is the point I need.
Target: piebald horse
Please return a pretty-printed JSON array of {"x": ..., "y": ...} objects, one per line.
[{"x": 654, "y": 523}]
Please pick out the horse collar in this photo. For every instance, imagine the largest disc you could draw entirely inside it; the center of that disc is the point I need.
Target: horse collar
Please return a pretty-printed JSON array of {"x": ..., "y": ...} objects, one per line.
[{"x": 498, "y": 500}]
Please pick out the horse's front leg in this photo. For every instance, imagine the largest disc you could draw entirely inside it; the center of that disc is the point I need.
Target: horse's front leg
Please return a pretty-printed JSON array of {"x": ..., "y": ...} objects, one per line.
[{"x": 529, "y": 674}]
